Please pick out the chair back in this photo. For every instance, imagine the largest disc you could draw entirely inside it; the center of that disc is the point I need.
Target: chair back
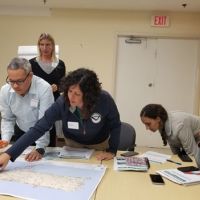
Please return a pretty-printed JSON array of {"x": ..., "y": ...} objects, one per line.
[{"x": 127, "y": 137}]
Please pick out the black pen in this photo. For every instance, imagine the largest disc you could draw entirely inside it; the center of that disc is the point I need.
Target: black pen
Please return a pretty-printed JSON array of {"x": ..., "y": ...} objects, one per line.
[
  {"x": 174, "y": 162},
  {"x": 102, "y": 161}
]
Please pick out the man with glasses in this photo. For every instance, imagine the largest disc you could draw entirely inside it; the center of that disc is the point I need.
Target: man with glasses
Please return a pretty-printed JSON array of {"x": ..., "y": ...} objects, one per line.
[{"x": 23, "y": 101}]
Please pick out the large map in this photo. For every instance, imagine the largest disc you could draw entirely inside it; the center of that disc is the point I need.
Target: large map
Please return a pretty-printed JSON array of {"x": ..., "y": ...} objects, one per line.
[{"x": 49, "y": 180}]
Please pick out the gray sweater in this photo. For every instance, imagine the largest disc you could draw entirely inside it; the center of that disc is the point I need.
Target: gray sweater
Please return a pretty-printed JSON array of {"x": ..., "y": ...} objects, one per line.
[{"x": 182, "y": 130}]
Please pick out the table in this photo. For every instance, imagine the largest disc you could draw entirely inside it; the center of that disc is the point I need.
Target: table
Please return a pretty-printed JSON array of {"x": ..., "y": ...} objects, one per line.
[
  {"x": 137, "y": 185},
  {"x": 126, "y": 185}
]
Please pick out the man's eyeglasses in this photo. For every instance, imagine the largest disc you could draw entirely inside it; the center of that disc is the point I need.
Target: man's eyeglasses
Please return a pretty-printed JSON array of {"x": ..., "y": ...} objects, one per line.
[{"x": 18, "y": 82}]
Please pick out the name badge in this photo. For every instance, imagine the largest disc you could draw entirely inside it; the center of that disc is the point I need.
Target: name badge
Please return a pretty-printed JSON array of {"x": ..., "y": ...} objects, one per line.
[
  {"x": 73, "y": 125},
  {"x": 34, "y": 103}
]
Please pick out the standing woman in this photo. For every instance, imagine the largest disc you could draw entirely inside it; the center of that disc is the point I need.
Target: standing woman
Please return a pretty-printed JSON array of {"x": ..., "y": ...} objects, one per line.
[
  {"x": 181, "y": 130},
  {"x": 50, "y": 68}
]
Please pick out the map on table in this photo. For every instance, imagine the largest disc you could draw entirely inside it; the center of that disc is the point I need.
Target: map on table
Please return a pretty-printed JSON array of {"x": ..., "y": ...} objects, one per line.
[{"x": 49, "y": 180}]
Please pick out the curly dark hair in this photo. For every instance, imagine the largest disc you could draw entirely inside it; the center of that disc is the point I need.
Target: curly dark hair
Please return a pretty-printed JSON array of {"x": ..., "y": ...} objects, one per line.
[
  {"x": 89, "y": 85},
  {"x": 153, "y": 111}
]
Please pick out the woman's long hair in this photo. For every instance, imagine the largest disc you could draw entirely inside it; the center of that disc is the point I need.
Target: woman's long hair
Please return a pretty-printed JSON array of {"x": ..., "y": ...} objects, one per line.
[
  {"x": 47, "y": 36},
  {"x": 89, "y": 84},
  {"x": 153, "y": 111}
]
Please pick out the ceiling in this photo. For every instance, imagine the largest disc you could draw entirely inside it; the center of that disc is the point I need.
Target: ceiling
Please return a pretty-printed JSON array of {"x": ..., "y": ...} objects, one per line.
[{"x": 144, "y": 5}]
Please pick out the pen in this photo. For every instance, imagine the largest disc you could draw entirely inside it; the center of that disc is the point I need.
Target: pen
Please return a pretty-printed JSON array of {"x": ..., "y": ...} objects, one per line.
[
  {"x": 174, "y": 162},
  {"x": 101, "y": 161}
]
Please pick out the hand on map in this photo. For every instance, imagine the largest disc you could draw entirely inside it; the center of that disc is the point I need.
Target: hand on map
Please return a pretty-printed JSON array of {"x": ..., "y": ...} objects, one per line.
[
  {"x": 4, "y": 158},
  {"x": 3, "y": 143},
  {"x": 105, "y": 156},
  {"x": 33, "y": 156}
]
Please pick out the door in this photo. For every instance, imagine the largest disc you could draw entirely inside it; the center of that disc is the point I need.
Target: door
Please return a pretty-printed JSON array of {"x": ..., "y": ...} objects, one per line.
[{"x": 154, "y": 71}]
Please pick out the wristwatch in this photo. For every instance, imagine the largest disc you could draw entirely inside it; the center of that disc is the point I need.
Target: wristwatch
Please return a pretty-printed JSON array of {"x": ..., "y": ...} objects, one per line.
[{"x": 40, "y": 151}]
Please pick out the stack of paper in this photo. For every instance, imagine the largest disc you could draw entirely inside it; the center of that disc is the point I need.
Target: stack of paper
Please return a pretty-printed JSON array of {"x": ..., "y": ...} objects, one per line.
[
  {"x": 64, "y": 152},
  {"x": 156, "y": 157},
  {"x": 179, "y": 177},
  {"x": 75, "y": 153},
  {"x": 131, "y": 163}
]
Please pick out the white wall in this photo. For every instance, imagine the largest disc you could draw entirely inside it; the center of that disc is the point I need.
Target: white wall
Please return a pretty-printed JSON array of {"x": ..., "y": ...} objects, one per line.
[{"x": 88, "y": 38}]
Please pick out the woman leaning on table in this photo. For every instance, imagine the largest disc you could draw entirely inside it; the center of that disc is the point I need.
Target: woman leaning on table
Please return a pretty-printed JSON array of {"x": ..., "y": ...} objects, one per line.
[
  {"x": 47, "y": 66},
  {"x": 89, "y": 115},
  {"x": 181, "y": 130}
]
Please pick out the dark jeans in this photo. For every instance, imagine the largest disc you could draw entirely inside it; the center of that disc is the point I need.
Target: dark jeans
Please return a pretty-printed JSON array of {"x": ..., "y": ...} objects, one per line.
[
  {"x": 18, "y": 133},
  {"x": 53, "y": 137}
]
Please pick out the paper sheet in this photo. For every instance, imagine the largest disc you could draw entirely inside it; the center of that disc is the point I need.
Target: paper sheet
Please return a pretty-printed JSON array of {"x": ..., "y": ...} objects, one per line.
[{"x": 156, "y": 157}]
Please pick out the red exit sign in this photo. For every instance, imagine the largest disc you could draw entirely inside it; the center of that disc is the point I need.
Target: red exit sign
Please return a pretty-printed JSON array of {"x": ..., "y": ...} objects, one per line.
[{"x": 160, "y": 20}]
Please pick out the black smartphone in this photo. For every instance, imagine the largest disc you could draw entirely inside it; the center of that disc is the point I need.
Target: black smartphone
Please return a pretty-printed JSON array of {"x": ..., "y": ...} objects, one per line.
[
  {"x": 129, "y": 153},
  {"x": 184, "y": 157},
  {"x": 157, "y": 179},
  {"x": 188, "y": 169}
]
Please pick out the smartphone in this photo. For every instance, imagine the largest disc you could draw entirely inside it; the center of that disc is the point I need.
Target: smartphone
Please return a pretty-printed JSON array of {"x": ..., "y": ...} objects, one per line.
[
  {"x": 157, "y": 179},
  {"x": 184, "y": 157},
  {"x": 188, "y": 169},
  {"x": 129, "y": 153}
]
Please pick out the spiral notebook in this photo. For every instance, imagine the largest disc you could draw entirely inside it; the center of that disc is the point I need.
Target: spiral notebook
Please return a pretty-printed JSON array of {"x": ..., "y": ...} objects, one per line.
[{"x": 131, "y": 163}]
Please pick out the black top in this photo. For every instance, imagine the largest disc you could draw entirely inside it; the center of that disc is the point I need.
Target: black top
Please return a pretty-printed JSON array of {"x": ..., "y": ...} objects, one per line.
[{"x": 53, "y": 78}]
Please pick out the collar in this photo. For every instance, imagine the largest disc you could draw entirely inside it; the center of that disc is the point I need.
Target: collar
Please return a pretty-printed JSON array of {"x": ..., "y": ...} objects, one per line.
[
  {"x": 54, "y": 63},
  {"x": 72, "y": 109}
]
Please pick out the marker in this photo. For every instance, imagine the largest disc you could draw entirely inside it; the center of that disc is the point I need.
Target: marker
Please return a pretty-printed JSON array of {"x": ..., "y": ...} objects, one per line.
[
  {"x": 174, "y": 162},
  {"x": 102, "y": 161}
]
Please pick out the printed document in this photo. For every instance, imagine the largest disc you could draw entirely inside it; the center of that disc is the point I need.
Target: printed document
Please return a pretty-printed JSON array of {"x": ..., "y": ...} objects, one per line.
[
  {"x": 50, "y": 180},
  {"x": 75, "y": 153},
  {"x": 180, "y": 177},
  {"x": 156, "y": 157}
]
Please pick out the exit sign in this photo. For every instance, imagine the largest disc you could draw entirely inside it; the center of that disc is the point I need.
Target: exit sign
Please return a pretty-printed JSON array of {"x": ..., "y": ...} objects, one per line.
[{"x": 160, "y": 20}]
